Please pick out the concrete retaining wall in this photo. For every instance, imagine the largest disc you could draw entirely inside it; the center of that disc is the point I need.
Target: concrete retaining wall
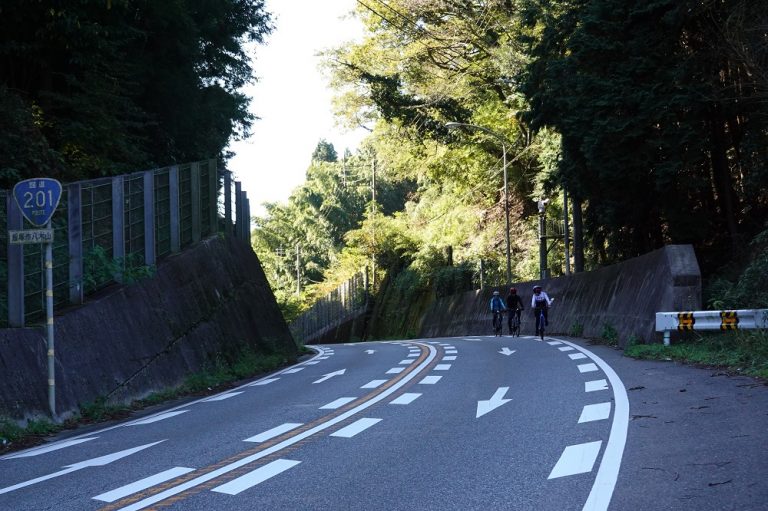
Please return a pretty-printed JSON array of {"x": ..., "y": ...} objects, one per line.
[
  {"x": 209, "y": 301},
  {"x": 625, "y": 296}
]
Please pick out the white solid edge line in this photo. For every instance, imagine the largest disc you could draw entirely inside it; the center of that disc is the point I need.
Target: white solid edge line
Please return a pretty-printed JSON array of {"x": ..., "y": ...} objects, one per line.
[{"x": 608, "y": 472}]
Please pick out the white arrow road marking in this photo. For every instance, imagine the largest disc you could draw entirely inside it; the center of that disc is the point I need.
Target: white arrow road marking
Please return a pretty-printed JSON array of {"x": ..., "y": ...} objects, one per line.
[
  {"x": 272, "y": 433},
  {"x": 259, "y": 475},
  {"x": 370, "y": 352},
  {"x": 576, "y": 459},
  {"x": 596, "y": 412},
  {"x": 54, "y": 447},
  {"x": 592, "y": 386},
  {"x": 506, "y": 351},
  {"x": 330, "y": 375},
  {"x": 95, "y": 462},
  {"x": 355, "y": 428},
  {"x": 496, "y": 401},
  {"x": 143, "y": 484}
]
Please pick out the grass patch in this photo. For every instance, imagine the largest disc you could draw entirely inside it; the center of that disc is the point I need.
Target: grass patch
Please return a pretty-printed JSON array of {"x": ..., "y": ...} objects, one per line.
[
  {"x": 218, "y": 375},
  {"x": 744, "y": 352}
]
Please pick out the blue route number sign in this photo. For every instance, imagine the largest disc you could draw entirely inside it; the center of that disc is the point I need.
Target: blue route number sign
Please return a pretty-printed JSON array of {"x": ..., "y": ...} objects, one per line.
[{"x": 37, "y": 198}]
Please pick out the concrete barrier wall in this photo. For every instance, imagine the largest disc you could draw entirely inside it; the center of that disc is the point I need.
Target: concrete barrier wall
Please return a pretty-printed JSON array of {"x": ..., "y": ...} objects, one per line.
[
  {"x": 625, "y": 296},
  {"x": 209, "y": 301}
]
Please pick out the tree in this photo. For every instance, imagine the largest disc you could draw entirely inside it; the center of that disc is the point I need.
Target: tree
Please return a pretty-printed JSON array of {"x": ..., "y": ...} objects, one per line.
[
  {"x": 129, "y": 84},
  {"x": 324, "y": 152}
]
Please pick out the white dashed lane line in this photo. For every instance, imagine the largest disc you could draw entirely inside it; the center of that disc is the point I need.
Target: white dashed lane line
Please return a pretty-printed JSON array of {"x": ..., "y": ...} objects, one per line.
[
  {"x": 595, "y": 412},
  {"x": 405, "y": 399},
  {"x": 595, "y": 385},
  {"x": 255, "y": 477},
  {"x": 143, "y": 484},
  {"x": 274, "y": 432},
  {"x": 355, "y": 428},
  {"x": 374, "y": 384},
  {"x": 576, "y": 459},
  {"x": 337, "y": 403}
]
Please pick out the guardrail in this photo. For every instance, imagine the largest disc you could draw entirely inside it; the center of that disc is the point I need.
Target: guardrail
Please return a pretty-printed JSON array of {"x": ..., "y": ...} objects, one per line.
[{"x": 747, "y": 319}]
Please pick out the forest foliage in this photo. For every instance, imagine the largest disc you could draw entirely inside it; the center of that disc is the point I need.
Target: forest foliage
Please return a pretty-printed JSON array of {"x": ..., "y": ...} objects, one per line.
[
  {"x": 104, "y": 87},
  {"x": 652, "y": 115}
]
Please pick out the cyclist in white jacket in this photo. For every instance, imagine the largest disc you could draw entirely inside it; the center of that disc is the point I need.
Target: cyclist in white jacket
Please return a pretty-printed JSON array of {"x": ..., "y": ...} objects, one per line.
[{"x": 540, "y": 302}]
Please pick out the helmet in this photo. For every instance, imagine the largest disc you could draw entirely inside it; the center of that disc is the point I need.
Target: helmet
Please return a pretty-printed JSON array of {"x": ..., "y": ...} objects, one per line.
[
  {"x": 513, "y": 290},
  {"x": 536, "y": 288},
  {"x": 495, "y": 293}
]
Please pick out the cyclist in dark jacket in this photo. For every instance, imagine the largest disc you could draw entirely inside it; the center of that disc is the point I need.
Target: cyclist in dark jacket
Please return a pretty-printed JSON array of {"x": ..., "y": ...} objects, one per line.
[{"x": 514, "y": 303}]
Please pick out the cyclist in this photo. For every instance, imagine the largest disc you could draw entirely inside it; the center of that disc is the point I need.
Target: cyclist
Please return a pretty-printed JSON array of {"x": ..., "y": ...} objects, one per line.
[
  {"x": 540, "y": 303},
  {"x": 515, "y": 305},
  {"x": 497, "y": 308}
]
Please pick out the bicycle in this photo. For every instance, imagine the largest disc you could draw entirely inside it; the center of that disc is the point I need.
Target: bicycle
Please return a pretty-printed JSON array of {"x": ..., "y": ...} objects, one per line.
[
  {"x": 540, "y": 322},
  {"x": 514, "y": 323},
  {"x": 497, "y": 323}
]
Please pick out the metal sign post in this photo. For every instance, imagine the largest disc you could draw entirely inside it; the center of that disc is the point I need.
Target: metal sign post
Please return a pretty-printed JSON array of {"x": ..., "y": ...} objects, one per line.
[{"x": 38, "y": 199}]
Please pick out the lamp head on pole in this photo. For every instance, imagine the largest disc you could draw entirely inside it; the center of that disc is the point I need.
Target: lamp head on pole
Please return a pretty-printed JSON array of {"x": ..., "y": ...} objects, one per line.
[{"x": 542, "y": 205}]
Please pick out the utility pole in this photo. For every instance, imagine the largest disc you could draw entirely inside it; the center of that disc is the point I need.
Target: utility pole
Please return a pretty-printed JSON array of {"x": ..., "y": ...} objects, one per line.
[
  {"x": 566, "y": 233},
  {"x": 543, "y": 271},
  {"x": 298, "y": 269},
  {"x": 373, "y": 216}
]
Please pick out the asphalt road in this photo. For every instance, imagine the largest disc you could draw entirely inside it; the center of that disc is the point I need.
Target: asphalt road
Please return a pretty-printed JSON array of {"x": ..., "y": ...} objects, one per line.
[{"x": 436, "y": 424}]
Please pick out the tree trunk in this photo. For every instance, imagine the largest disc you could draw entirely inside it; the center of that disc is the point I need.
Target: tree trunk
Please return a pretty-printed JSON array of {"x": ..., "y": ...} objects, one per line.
[
  {"x": 578, "y": 235},
  {"x": 721, "y": 175}
]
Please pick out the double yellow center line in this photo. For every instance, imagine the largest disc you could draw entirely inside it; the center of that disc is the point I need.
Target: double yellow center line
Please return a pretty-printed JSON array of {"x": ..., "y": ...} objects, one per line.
[{"x": 213, "y": 475}]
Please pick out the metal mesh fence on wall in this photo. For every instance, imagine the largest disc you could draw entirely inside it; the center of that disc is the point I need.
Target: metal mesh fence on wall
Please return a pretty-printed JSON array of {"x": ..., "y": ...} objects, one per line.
[
  {"x": 338, "y": 306},
  {"x": 104, "y": 228}
]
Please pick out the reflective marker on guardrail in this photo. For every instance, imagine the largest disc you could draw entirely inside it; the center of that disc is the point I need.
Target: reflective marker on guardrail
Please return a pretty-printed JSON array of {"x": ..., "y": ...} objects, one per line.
[{"x": 746, "y": 319}]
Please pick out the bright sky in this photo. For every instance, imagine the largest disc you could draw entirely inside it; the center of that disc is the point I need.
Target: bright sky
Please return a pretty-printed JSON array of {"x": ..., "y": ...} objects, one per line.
[{"x": 292, "y": 99}]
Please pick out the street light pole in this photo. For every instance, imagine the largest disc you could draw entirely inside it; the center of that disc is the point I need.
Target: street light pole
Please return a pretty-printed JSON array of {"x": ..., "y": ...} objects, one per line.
[{"x": 503, "y": 141}]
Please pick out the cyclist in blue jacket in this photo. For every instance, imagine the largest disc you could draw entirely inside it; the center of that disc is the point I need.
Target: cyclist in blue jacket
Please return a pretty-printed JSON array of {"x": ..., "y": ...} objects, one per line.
[{"x": 497, "y": 308}]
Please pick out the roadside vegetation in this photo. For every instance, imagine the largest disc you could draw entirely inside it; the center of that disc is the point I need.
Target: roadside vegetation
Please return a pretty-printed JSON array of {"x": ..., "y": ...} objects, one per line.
[
  {"x": 649, "y": 116},
  {"x": 219, "y": 375}
]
